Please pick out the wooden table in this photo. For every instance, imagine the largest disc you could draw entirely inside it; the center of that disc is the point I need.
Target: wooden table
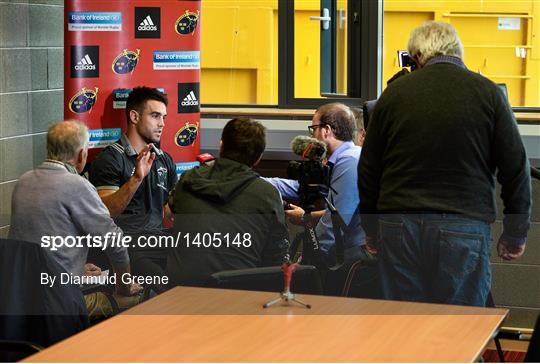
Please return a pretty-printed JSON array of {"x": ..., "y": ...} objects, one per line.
[{"x": 210, "y": 325}]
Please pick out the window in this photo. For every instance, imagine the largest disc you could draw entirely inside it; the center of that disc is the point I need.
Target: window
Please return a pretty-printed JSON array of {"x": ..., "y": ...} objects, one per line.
[
  {"x": 253, "y": 54},
  {"x": 327, "y": 43},
  {"x": 500, "y": 39},
  {"x": 276, "y": 52}
]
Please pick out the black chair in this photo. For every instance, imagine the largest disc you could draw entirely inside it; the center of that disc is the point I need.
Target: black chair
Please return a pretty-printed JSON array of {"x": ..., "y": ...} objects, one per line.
[
  {"x": 306, "y": 279},
  {"x": 19, "y": 349},
  {"x": 367, "y": 109},
  {"x": 362, "y": 280},
  {"x": 30, "y": 311},
  {"x": 533, "y": 353},
  {"x": 491, "y": 303}
]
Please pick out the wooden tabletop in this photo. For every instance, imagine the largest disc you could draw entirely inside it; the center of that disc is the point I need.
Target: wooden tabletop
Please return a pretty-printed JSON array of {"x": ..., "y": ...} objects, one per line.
[{"x": 210, "y": 325}]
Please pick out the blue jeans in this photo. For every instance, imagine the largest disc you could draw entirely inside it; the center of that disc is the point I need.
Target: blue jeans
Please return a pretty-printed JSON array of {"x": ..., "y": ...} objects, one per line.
[{"x": 439, "y": 258}]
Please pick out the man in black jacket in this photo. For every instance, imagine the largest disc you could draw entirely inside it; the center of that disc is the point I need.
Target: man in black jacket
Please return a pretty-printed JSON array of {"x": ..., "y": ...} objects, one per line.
[
  {"x": 226, "y": 217},
  {"x": 426, "y": 176}
]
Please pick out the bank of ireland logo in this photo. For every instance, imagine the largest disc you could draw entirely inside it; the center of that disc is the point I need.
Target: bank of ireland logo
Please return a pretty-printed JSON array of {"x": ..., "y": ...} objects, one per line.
[
  {"x": 83, "y": 100},
  {"x": 186, "y": 135},
  {"x": 84, "y": 61},
  {"x": 186, "y": 23},
  {"x": 188, "y": 98},
  {"x": 147, "y": 22},
  {"x": 84, "y": 21},
  {"x": 176, "y": 60},
  {"x": 126, "y": 62}
]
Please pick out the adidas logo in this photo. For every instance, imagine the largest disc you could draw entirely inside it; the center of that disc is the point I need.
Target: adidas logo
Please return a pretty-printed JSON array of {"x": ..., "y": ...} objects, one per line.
[
  {"x": 85, "y": 64},
  {"x": 190, "y": 100},
  {"x": 147, "y": 25}
]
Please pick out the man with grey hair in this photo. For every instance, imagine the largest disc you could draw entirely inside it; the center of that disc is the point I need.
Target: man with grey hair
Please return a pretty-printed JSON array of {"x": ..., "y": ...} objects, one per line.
[
  {"x": 427, "y": 176},
  {"x": 53, "y": 200}
]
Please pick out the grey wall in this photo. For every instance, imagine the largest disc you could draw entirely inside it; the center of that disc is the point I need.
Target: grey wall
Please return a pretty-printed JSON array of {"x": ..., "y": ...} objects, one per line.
[
  {"x": 31, "y": 87},
  {"x": 516, "y": 284}
]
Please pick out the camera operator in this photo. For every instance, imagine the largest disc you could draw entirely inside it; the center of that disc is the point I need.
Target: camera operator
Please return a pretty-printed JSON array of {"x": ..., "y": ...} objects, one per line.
[{"x": 334, "y": 125}]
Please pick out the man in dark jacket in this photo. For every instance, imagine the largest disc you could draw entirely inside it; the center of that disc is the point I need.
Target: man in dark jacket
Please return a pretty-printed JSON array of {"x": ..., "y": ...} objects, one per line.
[
  {"x": 434, "y": 142},
  {"x": 226, "y": 217}
]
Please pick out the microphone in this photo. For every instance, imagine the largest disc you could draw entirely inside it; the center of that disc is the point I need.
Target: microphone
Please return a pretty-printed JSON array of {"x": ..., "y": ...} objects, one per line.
[
  {"x": 205, "y": 158},
  {"x": 307, "y": 147}
]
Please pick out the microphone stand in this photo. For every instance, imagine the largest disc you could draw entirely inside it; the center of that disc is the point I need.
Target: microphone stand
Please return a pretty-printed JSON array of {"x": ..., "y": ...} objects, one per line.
[
  {"x": 311, "y": 248},
  {"x": 310, "y": 242},
  {"x": 288, "y": 270}
]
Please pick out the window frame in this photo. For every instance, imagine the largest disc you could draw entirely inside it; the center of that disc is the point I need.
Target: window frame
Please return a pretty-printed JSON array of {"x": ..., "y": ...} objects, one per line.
[
  {"x": 368, "y": 36},
  {"x": 365, "y": 34}
]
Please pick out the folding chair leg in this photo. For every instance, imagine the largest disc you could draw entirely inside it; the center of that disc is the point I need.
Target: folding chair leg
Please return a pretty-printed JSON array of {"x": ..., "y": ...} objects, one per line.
[
  {"x": 499, "y": 349},
  {"x": 491, "y": 303}
]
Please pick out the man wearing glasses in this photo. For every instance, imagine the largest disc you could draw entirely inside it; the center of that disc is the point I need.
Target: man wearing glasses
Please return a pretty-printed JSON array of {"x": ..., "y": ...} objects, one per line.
[{"x": 334, "y": 125}]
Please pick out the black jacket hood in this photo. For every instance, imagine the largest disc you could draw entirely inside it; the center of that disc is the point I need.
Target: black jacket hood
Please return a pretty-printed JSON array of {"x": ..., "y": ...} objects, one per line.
[{"x": 219, "y": 181}]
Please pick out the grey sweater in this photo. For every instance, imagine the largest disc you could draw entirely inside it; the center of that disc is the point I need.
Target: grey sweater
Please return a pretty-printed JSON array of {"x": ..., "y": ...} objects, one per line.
[{"x": 51, "y": 201}]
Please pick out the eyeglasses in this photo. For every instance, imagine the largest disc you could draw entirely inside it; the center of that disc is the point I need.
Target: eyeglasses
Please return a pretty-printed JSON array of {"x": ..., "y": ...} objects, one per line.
[{"x": 312, "y": 128}]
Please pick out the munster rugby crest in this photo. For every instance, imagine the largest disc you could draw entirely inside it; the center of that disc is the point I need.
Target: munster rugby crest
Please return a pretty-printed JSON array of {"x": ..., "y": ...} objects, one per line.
[
  {"x": 126, "y": 62},
  {"x": 186, "y": 135},
  {"x": 83, "y": 100},
  {"x": 186, "y": 23}
]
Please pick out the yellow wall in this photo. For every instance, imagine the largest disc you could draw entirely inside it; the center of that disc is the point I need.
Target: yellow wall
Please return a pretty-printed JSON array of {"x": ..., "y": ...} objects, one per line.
[
  {"x": 240, "y": 49},
  {"x": 239, "y": 52},
  {"x": 488, "y": 50}
]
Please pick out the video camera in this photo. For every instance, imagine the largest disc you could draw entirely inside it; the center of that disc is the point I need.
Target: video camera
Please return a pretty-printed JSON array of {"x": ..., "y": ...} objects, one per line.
[{"x": 313, "y": 176}]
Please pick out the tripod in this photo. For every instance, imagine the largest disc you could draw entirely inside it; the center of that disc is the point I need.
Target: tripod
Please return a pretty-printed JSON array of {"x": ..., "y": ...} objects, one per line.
[
  {"x": 288, "y": 270},
  {"x": 308, "y": 251},
  {"x": 311, "y": 249}
]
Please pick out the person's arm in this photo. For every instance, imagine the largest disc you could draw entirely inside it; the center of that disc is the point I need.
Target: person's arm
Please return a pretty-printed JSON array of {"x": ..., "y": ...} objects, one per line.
[
  {"x": 92, "y": 270},
  {"x": 508, "y": 250},
  {"x": 295, "y": 214},
  {"x": 91, "y": 217},
  {"x": 168, "y": 214},
  {"x": 172, "y": 180},
  {"x": 121, "y": 288},
  {"x": 288, "y": 188},
  {"x": 124, "y": 289},
  {"x": 117, "y": 200},
  {"x": 515, "y": 179},
  {"x": 277, "y": 244},
  {"x": 345, "y": 200}
]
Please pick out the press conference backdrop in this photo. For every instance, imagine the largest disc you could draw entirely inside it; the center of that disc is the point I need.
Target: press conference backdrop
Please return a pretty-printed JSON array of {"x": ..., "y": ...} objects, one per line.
[{"x": 112, "y": 46}]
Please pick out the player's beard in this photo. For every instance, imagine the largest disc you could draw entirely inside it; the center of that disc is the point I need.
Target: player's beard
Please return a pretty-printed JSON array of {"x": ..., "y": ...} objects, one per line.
[{"x": 150, "y": 136}]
